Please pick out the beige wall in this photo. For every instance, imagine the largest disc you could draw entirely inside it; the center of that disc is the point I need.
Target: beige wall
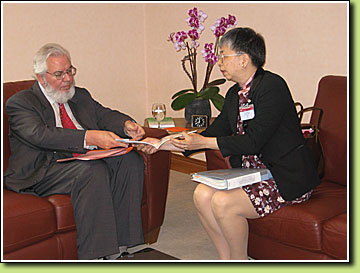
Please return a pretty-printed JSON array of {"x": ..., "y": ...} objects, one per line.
[{"x": 124, "y": 59}]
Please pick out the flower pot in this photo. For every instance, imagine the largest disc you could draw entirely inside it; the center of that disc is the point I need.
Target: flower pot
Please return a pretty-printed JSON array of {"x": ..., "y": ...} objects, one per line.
[{"x": 197, "y": 107}]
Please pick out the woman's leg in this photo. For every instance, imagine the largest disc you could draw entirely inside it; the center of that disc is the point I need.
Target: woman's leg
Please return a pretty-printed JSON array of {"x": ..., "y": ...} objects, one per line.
[
  {"x": 231, "y": 210},
  {"x": 203, "y": 198}
]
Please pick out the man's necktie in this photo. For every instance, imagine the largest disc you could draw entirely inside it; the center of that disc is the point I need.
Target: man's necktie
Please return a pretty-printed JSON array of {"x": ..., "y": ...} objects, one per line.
[{"x": 66, "y": 120}]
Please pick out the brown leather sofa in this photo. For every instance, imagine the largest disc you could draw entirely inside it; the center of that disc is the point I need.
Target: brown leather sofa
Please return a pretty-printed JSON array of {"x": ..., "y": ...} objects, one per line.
[
  {"x": 44, "y": 229},
  {"x": 316, "y": 229}
]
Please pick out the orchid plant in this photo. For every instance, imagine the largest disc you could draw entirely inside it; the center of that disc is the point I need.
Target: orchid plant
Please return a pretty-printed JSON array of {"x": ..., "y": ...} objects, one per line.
[{"x": 189, "y": 42}]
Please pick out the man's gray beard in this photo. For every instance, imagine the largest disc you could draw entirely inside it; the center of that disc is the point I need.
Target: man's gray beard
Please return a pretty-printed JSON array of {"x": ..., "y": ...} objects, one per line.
[{"x": 58, "y": 95}]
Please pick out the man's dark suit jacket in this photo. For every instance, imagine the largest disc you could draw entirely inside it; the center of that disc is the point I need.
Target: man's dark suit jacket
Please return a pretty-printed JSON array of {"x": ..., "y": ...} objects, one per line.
[
  {"x": 274, "y": 134},
  {"x": 35, "y": 141}
]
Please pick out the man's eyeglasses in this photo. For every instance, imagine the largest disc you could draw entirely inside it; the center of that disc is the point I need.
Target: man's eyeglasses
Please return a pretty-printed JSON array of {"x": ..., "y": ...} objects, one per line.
[
  {"x": 222, "y": 56},
  {"x": 60, "y": 75}
]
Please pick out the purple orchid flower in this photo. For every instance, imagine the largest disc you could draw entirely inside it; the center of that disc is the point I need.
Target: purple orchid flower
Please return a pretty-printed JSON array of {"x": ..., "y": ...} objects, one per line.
[
  {"x": 220, "y": 25},
  {"x": 208, "y": 53},
  {"x": 189, "y": 63}
]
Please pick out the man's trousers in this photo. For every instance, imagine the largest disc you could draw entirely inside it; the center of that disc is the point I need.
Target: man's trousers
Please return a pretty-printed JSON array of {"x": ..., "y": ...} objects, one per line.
[{"x": 106, "y": 196}]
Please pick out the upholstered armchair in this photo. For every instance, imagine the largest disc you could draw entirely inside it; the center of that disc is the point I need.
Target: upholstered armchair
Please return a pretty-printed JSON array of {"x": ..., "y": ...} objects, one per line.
[{"x": 43, "y": 228}]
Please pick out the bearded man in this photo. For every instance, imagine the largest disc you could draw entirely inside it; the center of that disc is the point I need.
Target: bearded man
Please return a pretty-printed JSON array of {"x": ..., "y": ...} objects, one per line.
[{"x": 54, "y": 120}]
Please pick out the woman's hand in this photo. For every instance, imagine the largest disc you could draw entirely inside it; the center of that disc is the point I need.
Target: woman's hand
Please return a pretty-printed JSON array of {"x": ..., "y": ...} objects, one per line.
[
  {"x": 195, "y": 142},
  {"x": 168, "y": 146}
]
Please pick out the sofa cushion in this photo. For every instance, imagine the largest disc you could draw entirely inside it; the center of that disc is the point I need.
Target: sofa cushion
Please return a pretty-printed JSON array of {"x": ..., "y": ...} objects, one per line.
[
  {"x": 64, "y": 212},
  {"x": 262, "y": 248},
  {"x": 27, "y": 219},
  {"x": 43, "y": 250},
  {"x": 335, "y": 236},
  {"x": 300, "y": 225}
]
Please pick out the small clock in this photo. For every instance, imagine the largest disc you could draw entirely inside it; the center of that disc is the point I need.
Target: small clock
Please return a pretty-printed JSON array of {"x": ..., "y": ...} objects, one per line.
[{"x": 199, "y": 121}]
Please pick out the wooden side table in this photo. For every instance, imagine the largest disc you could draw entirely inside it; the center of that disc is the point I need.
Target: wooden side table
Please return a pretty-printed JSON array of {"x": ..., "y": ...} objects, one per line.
[
  {"x": 181, "y": 122},
  {"x": 181, "y": 163}
]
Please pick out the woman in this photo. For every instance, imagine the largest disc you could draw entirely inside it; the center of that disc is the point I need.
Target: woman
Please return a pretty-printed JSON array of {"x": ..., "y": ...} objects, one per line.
[{"x": 257, "y": 128}]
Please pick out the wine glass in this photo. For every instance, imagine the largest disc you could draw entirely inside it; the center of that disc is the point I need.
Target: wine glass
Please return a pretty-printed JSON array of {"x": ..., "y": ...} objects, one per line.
[{"x": 158, "y": 112}]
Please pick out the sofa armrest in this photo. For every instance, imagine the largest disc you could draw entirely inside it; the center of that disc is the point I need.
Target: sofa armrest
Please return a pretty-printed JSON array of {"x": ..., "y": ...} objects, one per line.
[
  {"x": 215, "y": 160},
  {"x": 157, "y": 169},
  {"x": 155, "y": 133}
]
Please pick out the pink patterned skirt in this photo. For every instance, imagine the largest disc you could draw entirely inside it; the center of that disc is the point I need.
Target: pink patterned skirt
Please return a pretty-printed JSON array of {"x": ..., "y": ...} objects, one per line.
[{"x": 266, "y": 198}]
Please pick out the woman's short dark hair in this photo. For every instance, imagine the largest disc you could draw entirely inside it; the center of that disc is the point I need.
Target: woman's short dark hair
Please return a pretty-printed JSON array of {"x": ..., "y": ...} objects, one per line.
[{"x": 248, "y": 41}]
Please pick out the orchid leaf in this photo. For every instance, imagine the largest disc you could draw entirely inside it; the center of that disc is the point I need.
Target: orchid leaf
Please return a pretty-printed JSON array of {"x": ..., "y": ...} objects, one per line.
[
  {"x": 216, "y": 82},
  {"x": 181, "y": 92},
  {"x": 209, "y": 92},
  {"x": 218, "y": 101},
  {"x": 183, "y": 100}
]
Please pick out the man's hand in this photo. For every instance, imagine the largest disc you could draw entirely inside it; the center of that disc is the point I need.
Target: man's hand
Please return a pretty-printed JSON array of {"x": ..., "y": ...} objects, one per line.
[
  {"x": 148, "y": 149},
  {"x": 103, "y": 139},
  {"x": 134, "y": 130}
]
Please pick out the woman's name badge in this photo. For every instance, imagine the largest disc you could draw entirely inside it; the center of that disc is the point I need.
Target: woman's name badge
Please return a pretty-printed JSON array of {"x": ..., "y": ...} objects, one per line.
[{"x": 247, "y": 112}]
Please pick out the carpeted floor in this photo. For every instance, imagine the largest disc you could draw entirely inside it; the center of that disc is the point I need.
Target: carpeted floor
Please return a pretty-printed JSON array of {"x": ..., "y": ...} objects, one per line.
[{"x": 182, "y": 235}]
